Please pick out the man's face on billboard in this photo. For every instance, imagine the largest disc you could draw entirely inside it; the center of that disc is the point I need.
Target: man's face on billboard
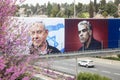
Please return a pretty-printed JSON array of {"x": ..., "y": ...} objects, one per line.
[
  {"x": 38, "y": 34},
  {"x": 84, "y": 33}
]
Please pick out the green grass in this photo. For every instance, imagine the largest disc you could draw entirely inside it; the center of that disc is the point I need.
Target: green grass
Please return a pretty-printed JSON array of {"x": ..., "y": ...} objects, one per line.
[
  {"x": 90, "y": 76},
  {"x": 112, "y": 58}
]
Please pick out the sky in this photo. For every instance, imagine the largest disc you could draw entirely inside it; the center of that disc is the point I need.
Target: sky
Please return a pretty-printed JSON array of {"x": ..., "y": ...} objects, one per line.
[{"x": 41, "y": 2}]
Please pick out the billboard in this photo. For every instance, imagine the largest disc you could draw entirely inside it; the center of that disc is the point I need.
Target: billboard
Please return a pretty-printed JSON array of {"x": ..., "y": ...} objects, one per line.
[
  {"x": 55, "y": 37},
  {"x": 69, "y": 35},
  {"x": 99, "y": 31}
]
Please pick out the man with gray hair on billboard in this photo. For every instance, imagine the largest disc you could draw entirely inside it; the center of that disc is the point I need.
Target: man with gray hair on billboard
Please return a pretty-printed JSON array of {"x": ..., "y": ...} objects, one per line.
[
  {"x": 40, "y": 45},
  {"x": 85, "y": 33}
]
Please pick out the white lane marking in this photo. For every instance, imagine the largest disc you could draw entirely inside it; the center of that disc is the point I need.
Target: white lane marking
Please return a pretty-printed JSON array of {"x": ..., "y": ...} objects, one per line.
[
  {"x": 106, "y": 71},
  {"x": 117, "y": 74},
  {"x": 72, "y": 65},
  {"x": 94, "y": 69},
  {"x": 63, "y": 68},
  {"x": 68, "y": 64}
]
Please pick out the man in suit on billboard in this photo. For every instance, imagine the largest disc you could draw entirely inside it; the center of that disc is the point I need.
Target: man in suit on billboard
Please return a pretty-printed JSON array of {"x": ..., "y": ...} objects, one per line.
[
  {"x": 86, "y": 37},
  {"x": 39, "y": 34}
]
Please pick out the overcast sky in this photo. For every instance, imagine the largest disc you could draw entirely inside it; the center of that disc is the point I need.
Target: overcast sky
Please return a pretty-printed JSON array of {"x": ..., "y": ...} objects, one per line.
[{"x": 41, "y": 2}]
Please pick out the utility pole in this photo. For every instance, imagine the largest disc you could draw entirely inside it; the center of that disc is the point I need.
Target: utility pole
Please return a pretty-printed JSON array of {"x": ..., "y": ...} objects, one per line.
[{"x": 76, "y": 67}]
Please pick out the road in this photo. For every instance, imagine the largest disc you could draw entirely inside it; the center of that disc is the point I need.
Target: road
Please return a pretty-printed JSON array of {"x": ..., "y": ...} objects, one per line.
[{"x": 103, "y": 68}]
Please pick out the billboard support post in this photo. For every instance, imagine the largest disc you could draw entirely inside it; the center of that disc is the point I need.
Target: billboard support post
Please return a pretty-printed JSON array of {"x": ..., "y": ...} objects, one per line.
[{"x": 76, "y": 67}]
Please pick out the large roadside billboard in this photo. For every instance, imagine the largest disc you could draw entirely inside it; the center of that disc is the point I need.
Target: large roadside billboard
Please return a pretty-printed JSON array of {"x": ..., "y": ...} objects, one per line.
[
  {"x": 67, "y": 36},
  {"x": 99, "y": 30},
  {"x": 55, "y": 27}
]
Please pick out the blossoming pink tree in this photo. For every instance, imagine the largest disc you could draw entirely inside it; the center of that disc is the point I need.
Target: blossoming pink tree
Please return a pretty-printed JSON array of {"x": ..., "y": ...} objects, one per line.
[
  {"x": 7, "y": 11},
  {"x": 13, "y": 39}
]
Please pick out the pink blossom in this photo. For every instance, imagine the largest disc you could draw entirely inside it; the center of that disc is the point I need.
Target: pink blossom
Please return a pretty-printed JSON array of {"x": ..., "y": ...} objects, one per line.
[
  {"x": 14, "y": 76},
  {"x": 2, "y": 66},
  {"x": 9, "y": 70},
  {"x": 26, "y": 78},
  {"x": 2, "y": 63}
]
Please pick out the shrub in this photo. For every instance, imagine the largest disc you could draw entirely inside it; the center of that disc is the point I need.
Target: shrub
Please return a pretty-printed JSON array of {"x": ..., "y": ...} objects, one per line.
[
  {"x": 118, "y": 55},
  {"x": 105, "y": 14},
  {"x": 90, "y": 76},
  {"x": 112, "y": 58}
]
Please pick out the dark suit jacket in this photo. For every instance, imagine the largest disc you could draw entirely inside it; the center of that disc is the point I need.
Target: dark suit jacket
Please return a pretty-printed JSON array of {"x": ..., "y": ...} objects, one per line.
[
  {"x": 94, "y": 45},
  {"x": 53, "y": 49},
  {"x": 50, "y": 50}
]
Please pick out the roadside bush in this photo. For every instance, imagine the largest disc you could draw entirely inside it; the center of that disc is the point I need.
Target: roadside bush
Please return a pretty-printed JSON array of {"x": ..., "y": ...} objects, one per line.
[
  {"x": 118, "y": 55},
  {"x": 112, "y": 58},
  {"x": 90, "y": 76},
  {"x": 105, "y": 14}
]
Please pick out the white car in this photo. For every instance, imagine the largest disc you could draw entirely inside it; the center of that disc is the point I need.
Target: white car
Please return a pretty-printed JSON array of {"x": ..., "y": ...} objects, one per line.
[{"x": 86, "y": 63}]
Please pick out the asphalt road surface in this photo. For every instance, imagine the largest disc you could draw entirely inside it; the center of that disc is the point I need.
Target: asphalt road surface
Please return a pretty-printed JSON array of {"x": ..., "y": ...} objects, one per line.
[{"x": 102, "y": 67}]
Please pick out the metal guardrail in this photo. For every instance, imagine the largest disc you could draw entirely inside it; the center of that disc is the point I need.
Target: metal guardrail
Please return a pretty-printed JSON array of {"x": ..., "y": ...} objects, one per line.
[
  {"x": 103, "y": 52},
  {"x": 87, "y": 53}
]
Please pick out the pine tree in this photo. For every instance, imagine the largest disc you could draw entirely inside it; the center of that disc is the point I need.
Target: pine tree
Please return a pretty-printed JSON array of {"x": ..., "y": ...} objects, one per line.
[
  {"x": 95, "y": 5},
  {"x": 91, "y": 9},
  {"x": 103, "y": 2},
  {"x": 116, "y": 2}
]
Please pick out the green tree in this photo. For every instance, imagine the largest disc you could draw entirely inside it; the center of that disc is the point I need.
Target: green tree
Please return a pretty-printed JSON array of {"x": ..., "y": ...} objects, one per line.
[
  {"x": 26, "y": 6},
  {"x": 37, "y": 7},
  {"x": 43, "y": 9},
  {"x": 116, "y": 2},
  {"x": 17, "y": 10},
  {"x": 49, "y": 8},
  {"x": 33, "y": 9},
  {"x": 102, "y": 5},
  {"x": 105, "y": 14},
  {"x": 85, "y": 8},
  {"x": 91, "y": 9},
  {"x": 65, "y": 6},
  {"x": 95, "y": 5},
  {"x": 78, "y": 9},
  {"x": 118, "y": 55},
  {"x": 69, "y": 10},
  {"x": 84, "y": 15},
  {"x": 111, "y": 8},
  {"x": 103, "y": 2},
  {"x": 55, "y": 10}
]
